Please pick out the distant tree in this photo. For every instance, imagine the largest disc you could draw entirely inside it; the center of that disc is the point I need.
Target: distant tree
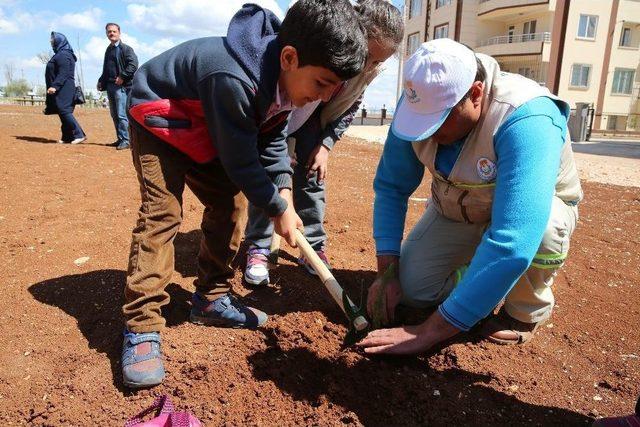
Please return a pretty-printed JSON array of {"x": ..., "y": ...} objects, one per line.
[
  {"x": 40, "y": 90},
  {"x": 19, "y": 87},
  {"x": 9, "y": 71},
  {"x": 45, "y": 56}
]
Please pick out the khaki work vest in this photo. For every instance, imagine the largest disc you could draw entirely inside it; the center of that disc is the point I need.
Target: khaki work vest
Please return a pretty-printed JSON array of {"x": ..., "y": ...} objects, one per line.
[{"x": 467, "y": 194}]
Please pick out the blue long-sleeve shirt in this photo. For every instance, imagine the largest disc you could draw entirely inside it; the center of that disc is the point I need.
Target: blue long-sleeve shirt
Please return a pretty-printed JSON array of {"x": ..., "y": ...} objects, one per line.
[{"x": 528, "y": 146}]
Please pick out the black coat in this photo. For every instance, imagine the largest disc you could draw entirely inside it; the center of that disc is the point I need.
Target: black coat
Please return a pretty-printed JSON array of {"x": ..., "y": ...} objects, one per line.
[
  {"x": 59, "y": 74},
  {"x": 127, "y": 66}
]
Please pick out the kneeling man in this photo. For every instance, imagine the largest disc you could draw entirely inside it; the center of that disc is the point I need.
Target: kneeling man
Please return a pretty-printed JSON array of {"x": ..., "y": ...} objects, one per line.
[{"x": 503, "y": 204}]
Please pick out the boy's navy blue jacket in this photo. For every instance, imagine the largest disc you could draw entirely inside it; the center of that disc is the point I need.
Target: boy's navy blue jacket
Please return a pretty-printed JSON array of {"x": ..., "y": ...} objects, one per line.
[
  {"x": 209, "y": 98},
  {"x": 59, "y": 74}
]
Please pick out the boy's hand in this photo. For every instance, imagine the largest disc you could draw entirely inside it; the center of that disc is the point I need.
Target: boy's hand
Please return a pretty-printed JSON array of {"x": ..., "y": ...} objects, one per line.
[
  {"x": 286, "y": 224},
  {"x": 318, "y": 160}
]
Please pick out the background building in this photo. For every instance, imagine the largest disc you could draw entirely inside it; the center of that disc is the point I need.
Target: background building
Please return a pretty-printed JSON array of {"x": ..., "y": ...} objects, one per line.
[{"x": 585, "y": 51}]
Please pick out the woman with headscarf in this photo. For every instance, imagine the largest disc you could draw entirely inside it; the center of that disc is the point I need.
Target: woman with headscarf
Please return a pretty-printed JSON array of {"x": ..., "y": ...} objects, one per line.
[{"x": 61, "y": 87}]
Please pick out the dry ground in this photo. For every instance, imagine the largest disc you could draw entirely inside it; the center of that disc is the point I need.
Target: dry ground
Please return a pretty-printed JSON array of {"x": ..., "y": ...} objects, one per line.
[{"x": 61, "y": 323}]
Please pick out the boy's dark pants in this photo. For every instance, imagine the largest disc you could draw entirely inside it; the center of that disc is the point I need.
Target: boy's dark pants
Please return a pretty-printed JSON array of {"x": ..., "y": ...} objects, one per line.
[
  {"x": 308, "y": 196},
  {"x": 162, "y": 172}
]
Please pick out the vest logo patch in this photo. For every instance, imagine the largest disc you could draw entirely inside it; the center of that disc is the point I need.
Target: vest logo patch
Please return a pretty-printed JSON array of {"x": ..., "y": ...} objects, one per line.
[{"x": 486, "y": 169}]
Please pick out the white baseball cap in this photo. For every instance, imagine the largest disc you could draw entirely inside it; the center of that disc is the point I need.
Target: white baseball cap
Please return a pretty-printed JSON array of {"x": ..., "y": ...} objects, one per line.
[{"x": 436, "y": 77}]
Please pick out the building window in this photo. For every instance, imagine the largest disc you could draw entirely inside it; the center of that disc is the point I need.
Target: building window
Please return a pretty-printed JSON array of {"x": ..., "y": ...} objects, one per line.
[
  {"x": 622, "y": 81},
  {"x": 441, "y": 31},
  {"x": 413, "y": 41},
  {"x": 528, "y": 30},
  {"x": 587, "y": 26},
  {"x": 580, "y": 75},
  {"x": 526, "y": 71},
  {"x": 415, "y": 8},
  {"x": 440, "y": 3},
  {"x": 510, "y": 33},
  {"x": 625, "y": 37}
]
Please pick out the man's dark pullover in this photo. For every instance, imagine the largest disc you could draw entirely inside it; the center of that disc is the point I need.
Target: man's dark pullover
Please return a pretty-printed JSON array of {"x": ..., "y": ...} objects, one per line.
[
  {"x": 126, "y": 65},
  {"x": 235, "y": 79},
  {"x": 110, "y": 65}
]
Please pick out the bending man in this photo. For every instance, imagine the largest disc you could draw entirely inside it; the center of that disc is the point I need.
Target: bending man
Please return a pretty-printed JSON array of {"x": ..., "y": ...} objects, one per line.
[{"x": 503, "y": 205}]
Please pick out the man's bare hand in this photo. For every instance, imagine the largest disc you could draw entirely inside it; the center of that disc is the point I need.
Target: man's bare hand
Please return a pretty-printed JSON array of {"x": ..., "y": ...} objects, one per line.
[
  {"x": 51, "y": 90},
  {"x": 409, "y": 339},
  {"x": 318, "y": 163},
  {"x": 119, "y": 81},
  {"x": 286, "y": 223}
]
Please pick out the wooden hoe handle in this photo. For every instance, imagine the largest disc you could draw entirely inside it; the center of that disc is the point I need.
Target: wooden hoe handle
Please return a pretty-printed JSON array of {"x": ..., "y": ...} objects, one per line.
[{"x": 332, "y": 285}]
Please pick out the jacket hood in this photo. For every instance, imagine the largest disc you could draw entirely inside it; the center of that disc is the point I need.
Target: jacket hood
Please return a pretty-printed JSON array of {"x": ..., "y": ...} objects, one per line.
[
  {"x": 252, "y": 40},
  {"x": 60, "y": 43}
]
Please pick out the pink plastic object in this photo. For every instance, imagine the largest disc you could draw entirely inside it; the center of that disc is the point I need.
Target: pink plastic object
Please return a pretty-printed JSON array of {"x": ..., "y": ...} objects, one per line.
[{"x": 166, "y": 416}]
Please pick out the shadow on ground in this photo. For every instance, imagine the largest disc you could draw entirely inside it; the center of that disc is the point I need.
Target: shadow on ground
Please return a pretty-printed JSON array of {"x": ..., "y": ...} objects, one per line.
[
  {"x": 41, "y": 140},
  {"x": 399, "y": 391},
  {"x": 95, "y": 300},
  {"x": 292, "y": 288},
  {"x": 36, "y": 139}
]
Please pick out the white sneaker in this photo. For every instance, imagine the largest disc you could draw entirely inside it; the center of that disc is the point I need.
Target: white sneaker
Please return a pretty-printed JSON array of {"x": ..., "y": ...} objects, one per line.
[
  {"x": 60, "y": 141},
  {"x": 257, "y": 271},
  {"x": 79, "y": 140}
]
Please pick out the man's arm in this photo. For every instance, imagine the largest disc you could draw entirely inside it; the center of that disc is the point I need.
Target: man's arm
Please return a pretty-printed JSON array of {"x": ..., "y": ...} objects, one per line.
[
  {"x": 528, "y": 147},
  {"x": 398, "y": 175},
  {"x": 100, "y": 85},
  {"x": 130, "y": 64}
]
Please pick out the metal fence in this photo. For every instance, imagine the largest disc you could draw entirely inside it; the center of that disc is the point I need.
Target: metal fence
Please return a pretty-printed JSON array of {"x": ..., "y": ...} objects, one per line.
[
  {"x": 517, "y": 38},
  {"x": 619, "y": 126},
  {"x": 373, "y": 117},
  {"x": 35, "y": 100}
]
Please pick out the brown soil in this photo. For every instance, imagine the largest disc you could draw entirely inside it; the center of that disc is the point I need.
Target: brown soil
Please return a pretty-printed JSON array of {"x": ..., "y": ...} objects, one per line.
[{"x": 61, "y": 323}]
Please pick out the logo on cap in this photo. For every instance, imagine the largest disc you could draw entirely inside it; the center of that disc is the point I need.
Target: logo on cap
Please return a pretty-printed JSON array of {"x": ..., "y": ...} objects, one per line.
[
  {"x": 411, "y": 94},
  {"x": 486, "y": 169}
]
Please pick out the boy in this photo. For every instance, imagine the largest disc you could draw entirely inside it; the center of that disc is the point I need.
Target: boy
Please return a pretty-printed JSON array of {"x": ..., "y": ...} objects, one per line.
[
  {"x": 211, "y": 113},
  {"x": 313, "y": 133}
]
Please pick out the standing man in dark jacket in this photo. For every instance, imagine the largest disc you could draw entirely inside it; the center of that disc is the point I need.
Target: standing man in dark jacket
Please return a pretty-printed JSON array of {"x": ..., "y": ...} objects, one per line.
[{"x": 120, "y": 64}]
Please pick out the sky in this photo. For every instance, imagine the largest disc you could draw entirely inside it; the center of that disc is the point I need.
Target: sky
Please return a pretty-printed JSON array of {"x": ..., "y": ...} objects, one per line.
[{"x": 149, "y": 26}]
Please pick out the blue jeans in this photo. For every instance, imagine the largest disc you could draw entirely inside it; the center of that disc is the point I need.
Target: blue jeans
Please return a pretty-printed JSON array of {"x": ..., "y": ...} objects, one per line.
[
  {"x": 308, "y": 196},
  {"x": 118, "y": 107}
]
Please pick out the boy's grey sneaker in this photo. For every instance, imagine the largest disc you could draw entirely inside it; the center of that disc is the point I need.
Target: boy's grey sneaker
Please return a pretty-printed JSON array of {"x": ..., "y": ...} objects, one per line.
[
  {"x": 123, "y": 146},
  {"x": 307, "y": 265},
  {"x": 141, "y": 360},
  {"x": 226, "y": 311},
  {"x": 257, "y": 270}
]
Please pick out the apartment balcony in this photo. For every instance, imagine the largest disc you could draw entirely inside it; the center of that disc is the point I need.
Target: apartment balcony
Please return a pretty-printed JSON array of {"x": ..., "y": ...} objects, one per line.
[
  {"x": 508, "y": 9},
  {"x": 517, "y": 44}
]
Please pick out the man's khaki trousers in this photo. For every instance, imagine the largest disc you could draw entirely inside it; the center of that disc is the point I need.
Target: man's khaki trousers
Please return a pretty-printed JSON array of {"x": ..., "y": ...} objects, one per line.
[{"x": 436, "y": 252}]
